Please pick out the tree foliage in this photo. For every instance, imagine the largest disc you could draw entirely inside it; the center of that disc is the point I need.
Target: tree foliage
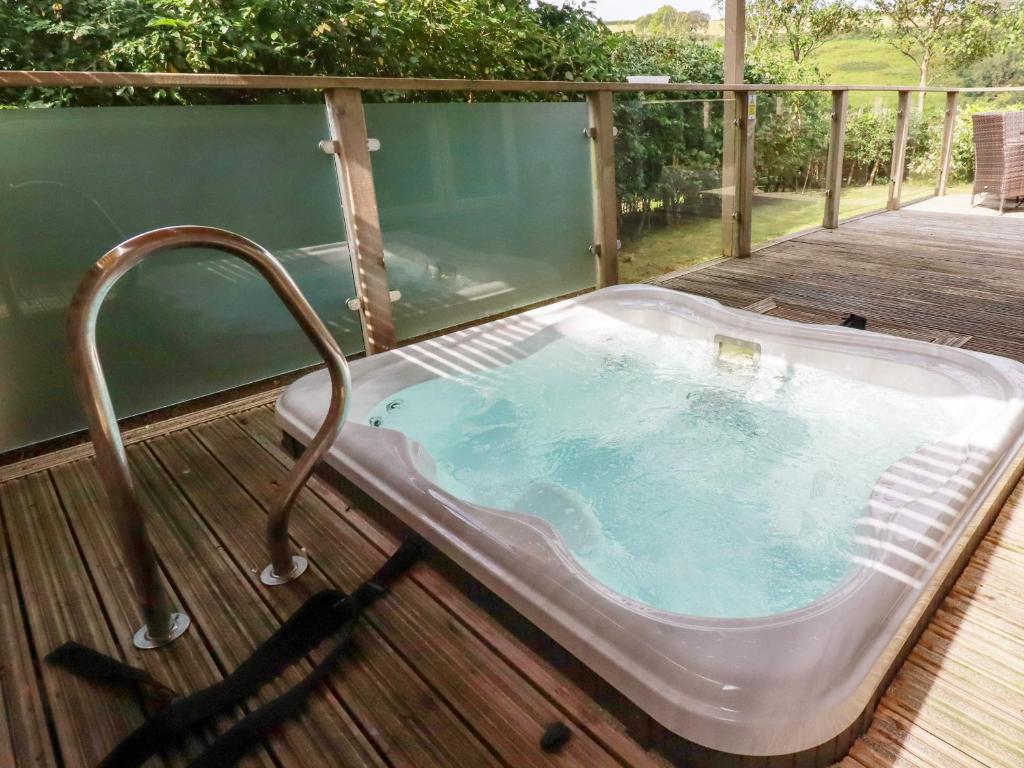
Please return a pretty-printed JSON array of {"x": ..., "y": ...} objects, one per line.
[
  {"x": 667, "y": 21},
  {"x": 502, "y": 39},
  {"x": 669, "y": 147},
  {"x": 955, "y": 31},
  {"x": 800, "y": 26},
  {"x": 666, "y": 151}
]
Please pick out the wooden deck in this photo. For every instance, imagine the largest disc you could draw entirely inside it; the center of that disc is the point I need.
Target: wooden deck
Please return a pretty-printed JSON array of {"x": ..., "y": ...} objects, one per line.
[
  {"x": 434, "y": 679},
  {"x": 933, "y": 272}
]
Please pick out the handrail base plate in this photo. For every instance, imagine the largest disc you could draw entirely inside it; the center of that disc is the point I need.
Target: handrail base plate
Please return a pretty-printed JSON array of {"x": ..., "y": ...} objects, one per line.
[
  {"x": 271, "y": 579},
  {"x": 180, "y": 622}
]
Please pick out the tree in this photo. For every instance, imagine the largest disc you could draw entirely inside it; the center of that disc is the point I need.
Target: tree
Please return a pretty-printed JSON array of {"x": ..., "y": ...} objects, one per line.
[
  {"x": 1011, "y": 25},
  {"x": 667, "y": 21},
  {"x": 927, "y": 31},
  {"x": 801, "y": 26}
]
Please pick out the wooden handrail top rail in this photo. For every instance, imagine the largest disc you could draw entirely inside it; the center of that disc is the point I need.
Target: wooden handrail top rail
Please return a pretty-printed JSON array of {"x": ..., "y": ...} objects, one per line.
[{"x": 56, "y": 79}]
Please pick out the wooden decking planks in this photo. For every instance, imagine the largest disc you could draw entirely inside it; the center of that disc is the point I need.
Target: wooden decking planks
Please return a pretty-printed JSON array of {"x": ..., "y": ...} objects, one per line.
[
  {"x": 433, "y": 679},
  {"x": 959, "y": 699},
  {"x": 383, "y": 694},
  {"x": 956, "y": 277},
  {"x": 24, "y": 738},
  {"x": 60, "y": 604}
]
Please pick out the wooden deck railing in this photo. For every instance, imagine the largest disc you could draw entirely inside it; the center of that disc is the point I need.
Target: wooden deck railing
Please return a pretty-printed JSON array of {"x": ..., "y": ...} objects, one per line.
[{"x": 343, "y": 98}]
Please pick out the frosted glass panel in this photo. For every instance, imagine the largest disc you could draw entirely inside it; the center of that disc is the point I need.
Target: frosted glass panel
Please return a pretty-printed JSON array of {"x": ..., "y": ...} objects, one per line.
[
  {"x": 74, "y": 182},
  {"x": 484, "y": 207}
]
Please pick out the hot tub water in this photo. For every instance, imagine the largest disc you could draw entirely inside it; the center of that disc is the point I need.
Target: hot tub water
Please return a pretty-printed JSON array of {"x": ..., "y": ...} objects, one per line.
[{"x": 689, "y": 484}]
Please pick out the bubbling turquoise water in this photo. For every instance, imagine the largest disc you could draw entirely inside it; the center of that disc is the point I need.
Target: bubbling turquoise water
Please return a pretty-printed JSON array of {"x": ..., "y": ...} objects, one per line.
[{"x": 685, "y": 483}]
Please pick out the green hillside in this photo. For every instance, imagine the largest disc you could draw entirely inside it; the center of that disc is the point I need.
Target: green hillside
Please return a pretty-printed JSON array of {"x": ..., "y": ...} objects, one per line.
[{"x": 867, "y": 61}]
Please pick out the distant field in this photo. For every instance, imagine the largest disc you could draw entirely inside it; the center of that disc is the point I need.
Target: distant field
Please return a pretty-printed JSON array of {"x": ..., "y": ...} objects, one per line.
[
  {"x": 866, "y": 61},
  {"x": 852, "y": 61}
]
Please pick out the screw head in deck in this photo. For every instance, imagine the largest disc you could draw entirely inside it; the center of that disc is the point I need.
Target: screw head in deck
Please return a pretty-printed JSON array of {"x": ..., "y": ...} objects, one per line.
[
  {"x": 272, "y": 579},
  {"x": 144, "y": 641}
]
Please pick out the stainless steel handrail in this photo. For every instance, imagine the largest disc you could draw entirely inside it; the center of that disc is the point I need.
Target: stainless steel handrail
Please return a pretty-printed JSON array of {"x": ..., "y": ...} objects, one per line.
[{"x": 162, "y": 624}]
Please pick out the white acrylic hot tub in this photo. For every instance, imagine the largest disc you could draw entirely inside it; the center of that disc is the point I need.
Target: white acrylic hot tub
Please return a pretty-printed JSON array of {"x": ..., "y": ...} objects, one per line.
[{"x": 768, "y": 685}]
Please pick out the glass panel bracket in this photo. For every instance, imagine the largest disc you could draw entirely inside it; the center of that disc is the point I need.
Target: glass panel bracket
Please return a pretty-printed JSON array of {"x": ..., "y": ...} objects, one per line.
[{"x": 356, "y": 302}]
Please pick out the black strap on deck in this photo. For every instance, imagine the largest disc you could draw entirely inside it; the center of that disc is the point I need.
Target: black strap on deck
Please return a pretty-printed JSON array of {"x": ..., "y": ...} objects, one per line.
[
  {"x": 325, "y": 614},
  {"x": 85, "y": 662},
  {"x": 232, "y": 745},
  {"x": 851, "y": 320}
]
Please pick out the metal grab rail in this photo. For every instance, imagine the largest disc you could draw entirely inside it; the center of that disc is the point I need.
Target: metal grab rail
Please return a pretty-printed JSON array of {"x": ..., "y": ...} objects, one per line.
[{"x": 162, "y": 624}]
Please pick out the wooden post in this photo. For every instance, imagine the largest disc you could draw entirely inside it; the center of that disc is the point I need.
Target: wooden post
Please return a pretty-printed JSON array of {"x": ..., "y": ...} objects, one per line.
[
  {"x": 606, "y": 205},
  {"x": 834, "y": 169},
  {"x": 349, "y": 145},
  {"x": 746, "y": 108},
  {"x": 948, "y": 127},
  {"x": 899, "y": 151},
  {"x": 732, "y": 72}
]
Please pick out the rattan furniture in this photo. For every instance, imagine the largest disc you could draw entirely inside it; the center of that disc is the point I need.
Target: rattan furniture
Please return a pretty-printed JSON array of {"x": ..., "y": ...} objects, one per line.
[{"x": 999, "y": 156}]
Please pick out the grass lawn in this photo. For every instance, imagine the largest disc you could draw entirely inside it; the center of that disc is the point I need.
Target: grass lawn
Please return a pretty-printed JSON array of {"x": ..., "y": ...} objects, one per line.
[{"x": 690, "y": 242}]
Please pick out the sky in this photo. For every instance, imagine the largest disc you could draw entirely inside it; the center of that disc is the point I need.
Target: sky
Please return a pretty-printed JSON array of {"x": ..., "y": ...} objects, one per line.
[{"x": 618, "y": 10}]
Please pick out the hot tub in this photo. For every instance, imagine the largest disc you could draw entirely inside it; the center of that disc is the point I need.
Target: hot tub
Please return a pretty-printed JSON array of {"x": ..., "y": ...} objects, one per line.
[{"x": 737, "y": 521}]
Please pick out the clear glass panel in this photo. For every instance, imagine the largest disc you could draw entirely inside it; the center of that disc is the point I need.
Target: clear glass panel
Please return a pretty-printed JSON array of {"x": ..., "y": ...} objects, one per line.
[
  {"x": 867, "y": 155},
  {"x": 924, "y": 145},
  {"x": 484, "y": 207},
  {"x": 75, "y": 182},
  {"x": 791, "y": 149},
  {"x": 669, "y": 178}
]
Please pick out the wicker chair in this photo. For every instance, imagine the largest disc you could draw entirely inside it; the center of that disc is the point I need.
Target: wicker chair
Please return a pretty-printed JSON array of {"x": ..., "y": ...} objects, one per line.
[{"x": 999, "y": 156}]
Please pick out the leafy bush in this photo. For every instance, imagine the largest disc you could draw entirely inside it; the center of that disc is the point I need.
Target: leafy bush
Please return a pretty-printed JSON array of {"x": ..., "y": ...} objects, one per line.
[
  {"x": 791, "y": 141},
  {"x": 669, "y": 147},
  {"x": 657, "y": 132},
  {"x": 867, "y": 154},
  {"x": 504, "y": 39}
]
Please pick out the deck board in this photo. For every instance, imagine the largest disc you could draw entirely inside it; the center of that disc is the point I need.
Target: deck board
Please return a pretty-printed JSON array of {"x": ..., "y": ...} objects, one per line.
[
  {"x": 185, "y": 666},
  {"x": 60, "y": 603},
  {"x": 220, "y": 595},
  {"x": 396, "y": 709},
  {"x": 910, "y": 272},
  {"x": 24, "y": 734}
]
